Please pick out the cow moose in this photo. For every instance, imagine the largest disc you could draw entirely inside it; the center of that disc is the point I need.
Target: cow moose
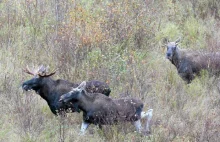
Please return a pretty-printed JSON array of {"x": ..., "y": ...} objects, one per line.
[
  {"x": 190, "y": 63},
  {"x": 51, "y": 90},
  {"x": 102, "y": 110}
]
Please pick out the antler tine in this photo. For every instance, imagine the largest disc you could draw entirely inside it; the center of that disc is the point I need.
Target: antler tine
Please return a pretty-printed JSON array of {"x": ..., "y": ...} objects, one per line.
[
  {"x": 52, "y": 73},
  {"x": 41, "y": 70},
  {"x": 47, "y": 75},
  {"x": 27, "y": 70}
]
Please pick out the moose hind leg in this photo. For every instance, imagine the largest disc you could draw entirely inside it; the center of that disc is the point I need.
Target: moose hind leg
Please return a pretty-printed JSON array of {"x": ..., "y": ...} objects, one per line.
[
  {"x": 149, "y": 117},
  {"x": 137, "y": 125}
]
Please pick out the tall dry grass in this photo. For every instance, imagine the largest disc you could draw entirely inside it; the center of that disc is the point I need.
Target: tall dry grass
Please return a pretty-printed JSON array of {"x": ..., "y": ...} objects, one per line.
[{"x": 119, "y": 42}]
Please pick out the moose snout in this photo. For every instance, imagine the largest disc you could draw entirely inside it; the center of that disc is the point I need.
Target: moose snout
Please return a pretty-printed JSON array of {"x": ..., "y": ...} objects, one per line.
[
  {"x": 61, "y": 99},
  {"x": 25, "y": 87},
  {"x": 168, "y": 54}
]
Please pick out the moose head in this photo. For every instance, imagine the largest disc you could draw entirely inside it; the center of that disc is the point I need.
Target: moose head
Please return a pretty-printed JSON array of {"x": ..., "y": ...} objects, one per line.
[
  {"x": 74, "y": 94},
  {"x": 38, "y": 80},
  {"x": 171, "y": 48}
]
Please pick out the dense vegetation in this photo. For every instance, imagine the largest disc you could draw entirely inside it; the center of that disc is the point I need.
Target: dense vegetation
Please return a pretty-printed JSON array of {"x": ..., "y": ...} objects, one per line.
[{"x": 119, "y": 42}]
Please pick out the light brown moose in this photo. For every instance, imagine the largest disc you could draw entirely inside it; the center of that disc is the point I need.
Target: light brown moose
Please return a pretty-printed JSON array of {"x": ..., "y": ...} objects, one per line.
[{"x": 190, "y": 63}]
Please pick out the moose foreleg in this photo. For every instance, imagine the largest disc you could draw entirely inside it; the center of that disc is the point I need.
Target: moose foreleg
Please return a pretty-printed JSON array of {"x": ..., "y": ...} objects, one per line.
[
  {"x": 84, "y": 126},
  {"x": 186, "y": 74}
]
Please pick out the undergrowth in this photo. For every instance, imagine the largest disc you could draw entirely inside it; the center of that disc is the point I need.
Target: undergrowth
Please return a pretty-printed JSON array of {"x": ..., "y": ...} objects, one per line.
[{"x": 120, "y": 43}]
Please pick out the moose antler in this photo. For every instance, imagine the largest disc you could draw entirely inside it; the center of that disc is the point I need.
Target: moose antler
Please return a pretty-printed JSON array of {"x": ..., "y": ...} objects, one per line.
[
  {"x": 47, "y": 75},
  {"x": 27, "y": 70},
  {"x": 42, "y": 72}
]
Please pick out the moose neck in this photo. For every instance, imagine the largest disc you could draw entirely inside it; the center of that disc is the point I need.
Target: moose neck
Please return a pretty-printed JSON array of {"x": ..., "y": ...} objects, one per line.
[
  {"x": 48, "y": 85},
  {"x": 176, "y": 57},
  {"x": 84, "y": 101}
]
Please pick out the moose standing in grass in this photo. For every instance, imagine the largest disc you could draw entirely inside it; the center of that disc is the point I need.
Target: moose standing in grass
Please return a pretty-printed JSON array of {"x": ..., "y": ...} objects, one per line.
[
  {"x": 190, "y": 63},
  {"x": 51, "y": 90},
  {"x": 102, "y": 110}
]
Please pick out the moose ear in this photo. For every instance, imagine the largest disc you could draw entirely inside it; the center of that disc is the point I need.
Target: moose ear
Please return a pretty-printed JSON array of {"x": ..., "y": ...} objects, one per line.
[
  {"x": 166, "y": 40},
  {"x": 82, "y": 86},
  {"x": 178, "y": 40}
]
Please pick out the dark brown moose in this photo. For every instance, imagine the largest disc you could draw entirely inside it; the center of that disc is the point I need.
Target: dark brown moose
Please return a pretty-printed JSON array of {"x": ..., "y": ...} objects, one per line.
[
  {"x": 51, "y": 90},
  {"x": 190, "y": 63},
  {"x": 102, "y": 110}
]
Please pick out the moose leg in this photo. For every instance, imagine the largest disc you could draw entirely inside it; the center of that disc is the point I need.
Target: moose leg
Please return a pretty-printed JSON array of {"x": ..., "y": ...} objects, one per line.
[
  {"x": 100, "y": 126},
  {"x": 149, "y": 117},
  {"x": 188, "y": 77},
  {"x": 186, "y": 74},
  {"x": 84, "y": 126},
  {"x": 137, "y": 125}
]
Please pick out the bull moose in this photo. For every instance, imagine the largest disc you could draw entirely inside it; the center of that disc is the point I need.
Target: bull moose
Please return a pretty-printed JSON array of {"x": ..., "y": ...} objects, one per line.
[
  {"x": 190, "y": 63},
  {"x": 102, "y": 110},
  {"x": 51, "y": 90}
]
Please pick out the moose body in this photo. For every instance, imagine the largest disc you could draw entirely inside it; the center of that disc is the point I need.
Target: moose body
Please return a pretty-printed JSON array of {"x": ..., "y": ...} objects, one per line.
[
  {"x": 190, "y": 63},
  {"x": 51, "y": 90},
  {"x": 101, "y": 110},
  {"x": 107, "y": 111}
]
